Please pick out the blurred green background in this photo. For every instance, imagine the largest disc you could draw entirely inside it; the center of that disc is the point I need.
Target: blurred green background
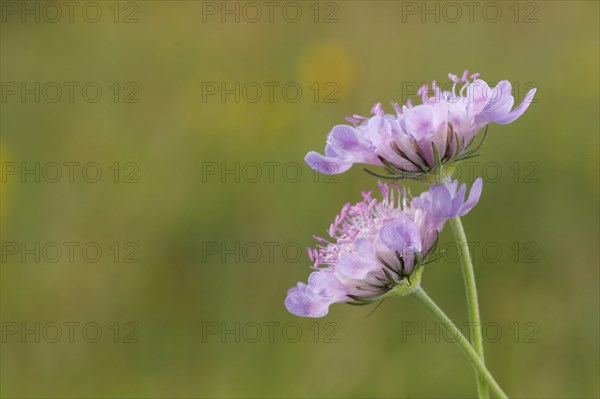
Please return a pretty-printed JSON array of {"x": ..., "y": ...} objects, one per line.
[{"x": 178, "y": 212}]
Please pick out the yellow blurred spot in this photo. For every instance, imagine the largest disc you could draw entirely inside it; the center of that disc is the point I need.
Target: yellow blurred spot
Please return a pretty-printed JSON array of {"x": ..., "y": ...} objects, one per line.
[{"x": 328, "y": 62}]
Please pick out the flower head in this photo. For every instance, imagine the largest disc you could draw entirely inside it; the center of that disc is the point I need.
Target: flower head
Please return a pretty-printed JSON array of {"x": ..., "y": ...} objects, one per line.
[
  {"x": 418, "y": 139},
  {"x": 375, "y": 246}
]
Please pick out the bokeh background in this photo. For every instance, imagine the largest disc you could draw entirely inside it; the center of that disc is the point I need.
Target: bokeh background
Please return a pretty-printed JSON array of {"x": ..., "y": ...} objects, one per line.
[{"x": 546, "y": 287}]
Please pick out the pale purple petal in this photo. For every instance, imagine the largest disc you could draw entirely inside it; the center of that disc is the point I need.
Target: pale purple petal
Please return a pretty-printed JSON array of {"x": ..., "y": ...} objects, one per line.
[
  {"x": 436, "y": 202},
  {"x": 445, "y": 201},
  {"x": 300, "y": 286},
  {"x": 353, "y": 266},
  {"x": 344, "y": 138},
  {"x": 473, "y": 199},
  {"x": 499, "y": 95},
  {"x": 477, "y": 96},
  {"x": 458, "y": 200},
  {"x": 324, "y": 284},
  {"x": 358, "y": 264},
  {"x": 401, "y": 235},
  {"x": 304, "y": 304},
  {"x": 327, "y": 165},
  {"x": 380, "y": 131},
  {"x": 452, "y": 185},
  {"x": 517, "y": 112},
  {"x": 313, "y": 300},
  {"x": 419, "y": 121}
]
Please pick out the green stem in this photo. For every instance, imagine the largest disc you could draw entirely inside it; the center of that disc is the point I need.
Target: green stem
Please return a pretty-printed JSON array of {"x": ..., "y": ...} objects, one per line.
[
  {"x": 463, "y": 342},
  {"x": 472, "y": 301}
]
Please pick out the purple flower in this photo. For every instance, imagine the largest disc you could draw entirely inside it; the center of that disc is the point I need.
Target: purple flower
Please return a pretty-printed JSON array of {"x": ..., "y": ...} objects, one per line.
[
  {"x": 417, "y": 139},
  {"x": 377, "y": 245}
]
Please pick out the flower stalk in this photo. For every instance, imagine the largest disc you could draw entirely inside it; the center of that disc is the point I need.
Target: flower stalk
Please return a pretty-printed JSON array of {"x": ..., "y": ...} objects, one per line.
[
  {"x": 472, "y": 299},
  {"x": 485, "y": 376}
]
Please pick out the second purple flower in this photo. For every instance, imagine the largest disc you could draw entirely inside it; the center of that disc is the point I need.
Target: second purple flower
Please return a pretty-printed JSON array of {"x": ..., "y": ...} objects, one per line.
[{"x": 375, "y": 246}]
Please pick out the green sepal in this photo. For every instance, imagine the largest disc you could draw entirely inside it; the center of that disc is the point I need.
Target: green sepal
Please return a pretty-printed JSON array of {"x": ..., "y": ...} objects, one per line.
[
  {"x": 390, "y": 167},
  {"x": 436, "y": 157},
  {"x": 472, "y": 152},
  {"x": 382, "y": 176},
  {"x": 403, "y": 288},
  {"x": 459, "y": 143}
]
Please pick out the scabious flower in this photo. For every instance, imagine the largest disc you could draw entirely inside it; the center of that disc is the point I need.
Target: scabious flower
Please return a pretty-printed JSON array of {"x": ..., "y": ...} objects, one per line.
[
  {"x": 419, "y": 139},
  {"x": 376, "y": 246}
]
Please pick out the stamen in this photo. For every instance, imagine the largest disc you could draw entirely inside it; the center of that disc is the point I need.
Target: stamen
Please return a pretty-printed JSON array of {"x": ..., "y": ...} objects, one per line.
[
  {"x": 464, "y": 76},
  {"x": 355, "y": 119},
  {"x": 462, "y": 89},
  {"x": 436, "y": 91},
  {"x": 377, "y": 109},
  {"x": 332, "y": 230},
  {"x": 423, "y": 93},
  {"x": 317, "y": 238},
  {"x": 371, "y": 205}
]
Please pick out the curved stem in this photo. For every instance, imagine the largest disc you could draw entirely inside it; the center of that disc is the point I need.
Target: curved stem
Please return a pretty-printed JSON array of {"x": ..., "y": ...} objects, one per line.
[
  {"x": 463, "y": 342},
  {"x": 471, "y": 291}
]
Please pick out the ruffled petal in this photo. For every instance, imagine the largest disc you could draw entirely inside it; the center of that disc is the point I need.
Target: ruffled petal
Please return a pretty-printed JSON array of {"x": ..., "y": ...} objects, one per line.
[
  {"x": 327, "y": 165},
  {"x": 344, "y": 138},
  {"x": 304, "y": 304}
]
